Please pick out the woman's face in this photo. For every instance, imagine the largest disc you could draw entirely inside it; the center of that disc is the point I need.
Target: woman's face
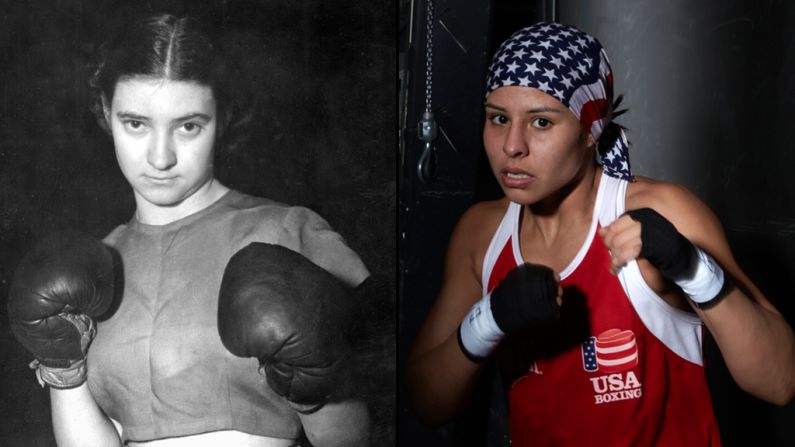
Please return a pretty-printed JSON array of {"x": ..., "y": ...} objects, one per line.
[
  {"x": 164, "y": 134},
  {"x": 534, "y": 143}
]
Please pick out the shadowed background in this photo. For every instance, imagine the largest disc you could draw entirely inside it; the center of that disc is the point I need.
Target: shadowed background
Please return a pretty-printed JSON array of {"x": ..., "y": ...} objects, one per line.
[{"x": 324, "y": 71}]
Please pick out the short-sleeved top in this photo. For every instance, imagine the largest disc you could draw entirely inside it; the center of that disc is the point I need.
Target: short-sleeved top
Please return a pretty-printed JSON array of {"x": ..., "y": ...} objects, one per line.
[
  {"x": 622, "y": 368},
  {"x": 157, "y": 365}
]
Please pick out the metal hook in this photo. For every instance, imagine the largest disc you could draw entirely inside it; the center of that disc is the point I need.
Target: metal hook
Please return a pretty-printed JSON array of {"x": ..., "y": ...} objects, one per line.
[{"x": 426, "y": 167}]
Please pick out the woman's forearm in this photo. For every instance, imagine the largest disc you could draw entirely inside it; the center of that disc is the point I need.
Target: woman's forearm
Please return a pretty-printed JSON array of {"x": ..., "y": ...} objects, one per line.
[
  {"x": 758, "y": 346},
  {"x": 338, "y": 424},
  {"x": 441, "y": 381},
  {"x": 78, "y": 421}
]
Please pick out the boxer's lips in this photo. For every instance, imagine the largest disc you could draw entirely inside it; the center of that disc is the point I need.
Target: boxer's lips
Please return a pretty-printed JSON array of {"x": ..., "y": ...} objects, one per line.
[
  {"x": 158, "y": 180},
  {"x": 516, "y": 178}
]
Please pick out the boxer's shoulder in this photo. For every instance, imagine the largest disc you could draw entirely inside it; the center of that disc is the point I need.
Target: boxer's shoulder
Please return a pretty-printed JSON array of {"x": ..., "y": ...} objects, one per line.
[
  {"x": 689, "y": 214},
  {"x": 664, "y": 197},
  {"x": 485, "y": 216},
  {"x": 478, "y": 224},
  {"x": 473, "y": 233}
]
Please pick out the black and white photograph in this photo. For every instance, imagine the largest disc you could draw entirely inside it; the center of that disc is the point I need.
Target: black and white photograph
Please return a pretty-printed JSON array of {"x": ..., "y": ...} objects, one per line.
[{"x": 197, "y": 223}]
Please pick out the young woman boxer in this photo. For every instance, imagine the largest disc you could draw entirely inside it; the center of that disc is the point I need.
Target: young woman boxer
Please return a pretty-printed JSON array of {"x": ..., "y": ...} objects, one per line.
[
  {"x": 590, "y": 287},
  {"x": 153, "y": 369}
]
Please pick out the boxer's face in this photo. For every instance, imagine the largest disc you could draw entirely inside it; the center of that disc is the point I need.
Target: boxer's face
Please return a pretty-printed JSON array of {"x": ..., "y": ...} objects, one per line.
[
  {"x": 535, "y": 145},
  {"x": 164, "y": 133}
]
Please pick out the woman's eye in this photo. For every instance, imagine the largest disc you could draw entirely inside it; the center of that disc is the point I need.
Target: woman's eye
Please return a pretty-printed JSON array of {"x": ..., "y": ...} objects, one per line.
[
  {"x": 190, "y": 128},
  {"x": 541, "y": 123},
  {"x": 499, "y": 119},
  {"x": 134, "y": 125}
]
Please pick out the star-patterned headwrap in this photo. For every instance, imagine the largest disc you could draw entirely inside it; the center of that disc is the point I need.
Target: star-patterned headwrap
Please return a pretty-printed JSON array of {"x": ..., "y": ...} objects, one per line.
[{"x": 571, "y": 66}]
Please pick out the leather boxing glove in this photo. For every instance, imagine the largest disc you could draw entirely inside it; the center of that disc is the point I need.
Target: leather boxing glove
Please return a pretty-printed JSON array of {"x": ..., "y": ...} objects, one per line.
[
  {"x": 694, "y": 271},
  {"x": 294, "y": 317},
  {"x": 58, "y": 289},
  {"x": 526, "y": 298}
]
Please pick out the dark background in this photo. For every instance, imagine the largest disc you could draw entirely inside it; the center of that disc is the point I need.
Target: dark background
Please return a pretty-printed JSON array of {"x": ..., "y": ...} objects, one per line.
[
  {"x": 325, "y": 71},
  {"x": 710, "y": 88}
]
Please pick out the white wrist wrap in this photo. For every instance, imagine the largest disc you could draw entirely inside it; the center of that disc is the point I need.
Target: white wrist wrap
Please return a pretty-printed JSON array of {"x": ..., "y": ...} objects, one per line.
[
  {"x": 71, "y": 376},
  {"x": 479, "y": 333},
  {"x": 706, "y": 281}
]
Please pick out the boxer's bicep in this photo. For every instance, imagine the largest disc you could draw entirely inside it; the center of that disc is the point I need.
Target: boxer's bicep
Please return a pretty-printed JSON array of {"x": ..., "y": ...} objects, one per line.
[{"x": 699, "y": 224}]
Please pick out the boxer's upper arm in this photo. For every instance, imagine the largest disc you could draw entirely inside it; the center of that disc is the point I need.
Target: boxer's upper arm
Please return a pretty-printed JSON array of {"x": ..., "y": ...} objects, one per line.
[{"x": 699, "y": 224}]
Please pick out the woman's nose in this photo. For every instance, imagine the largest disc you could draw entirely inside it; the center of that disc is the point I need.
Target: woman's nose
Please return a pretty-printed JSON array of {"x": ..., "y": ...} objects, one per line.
[
  {"x": 515, "y": 144},
  {"x": 161, "y": 153}
]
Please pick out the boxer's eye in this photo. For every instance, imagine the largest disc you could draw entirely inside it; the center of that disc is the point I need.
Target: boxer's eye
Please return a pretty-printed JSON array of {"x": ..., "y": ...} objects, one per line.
[{"x": 541, "y": 123}]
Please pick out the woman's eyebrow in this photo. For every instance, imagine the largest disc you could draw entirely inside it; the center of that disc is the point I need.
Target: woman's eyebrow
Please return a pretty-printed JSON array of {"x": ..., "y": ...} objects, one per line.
[
  {"x": 195, "y": 115},
  {"x": 541, "y": 109},
  {"x": 492, "y": 106},
  {"x": 131, "y": 115},
  {"x": 544, "y": 110},
  {"x": 136, "y": 116}
]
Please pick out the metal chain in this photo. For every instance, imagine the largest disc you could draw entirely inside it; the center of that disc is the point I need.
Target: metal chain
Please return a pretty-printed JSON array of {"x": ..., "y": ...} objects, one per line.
[
  {"x": 426, "y": 165},
  {"x": 428, "y": 55}
]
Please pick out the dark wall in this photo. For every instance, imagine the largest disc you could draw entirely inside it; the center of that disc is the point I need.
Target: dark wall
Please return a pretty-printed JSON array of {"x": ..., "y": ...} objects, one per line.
[
  {"x": 429, "y": 209},
  {"x": 325, "y": 71}
]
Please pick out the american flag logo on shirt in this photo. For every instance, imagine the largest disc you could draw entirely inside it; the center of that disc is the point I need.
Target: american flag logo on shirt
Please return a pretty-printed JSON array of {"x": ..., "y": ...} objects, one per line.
[
  {"x": 589, "y": 355},
  {"x": 611, "y": 351}
]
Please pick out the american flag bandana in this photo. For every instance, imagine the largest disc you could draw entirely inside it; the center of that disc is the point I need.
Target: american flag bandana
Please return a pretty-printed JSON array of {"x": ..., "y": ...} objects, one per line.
[{"x": 571, "y": 66}]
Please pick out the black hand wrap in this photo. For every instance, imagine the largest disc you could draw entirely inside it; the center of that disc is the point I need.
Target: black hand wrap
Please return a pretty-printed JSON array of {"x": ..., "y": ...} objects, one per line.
[
  {"x": 663, "y": 245},
  {"x": 525, "y": 298}
]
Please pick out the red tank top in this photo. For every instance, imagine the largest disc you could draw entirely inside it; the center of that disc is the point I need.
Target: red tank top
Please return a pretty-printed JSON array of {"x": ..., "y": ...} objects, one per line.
[{"x": 621, "y": 367}]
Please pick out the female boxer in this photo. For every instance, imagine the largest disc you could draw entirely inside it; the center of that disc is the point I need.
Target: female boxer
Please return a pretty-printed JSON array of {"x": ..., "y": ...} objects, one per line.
[
  {"x": 592, "y": 286},
  {"x": 157, "y": 373}
]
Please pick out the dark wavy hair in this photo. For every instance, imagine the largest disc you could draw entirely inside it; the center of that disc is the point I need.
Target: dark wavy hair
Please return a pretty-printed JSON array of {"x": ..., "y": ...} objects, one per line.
[{"x": 176, "y": 48}]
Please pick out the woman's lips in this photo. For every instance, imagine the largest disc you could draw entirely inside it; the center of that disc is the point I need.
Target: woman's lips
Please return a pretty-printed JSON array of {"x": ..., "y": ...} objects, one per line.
[
  {"x": 516, "y": 178},
  {"x": 159, "y": 180}
]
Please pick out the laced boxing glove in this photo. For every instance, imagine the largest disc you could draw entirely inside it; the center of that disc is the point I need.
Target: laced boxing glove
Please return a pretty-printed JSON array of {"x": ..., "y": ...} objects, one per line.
[
  {"x": 526, "y": 298},
  {"x": 294, "y": 317},
  {"x": 57, "y": 291},
  {"x": 695, "y": 272}
]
